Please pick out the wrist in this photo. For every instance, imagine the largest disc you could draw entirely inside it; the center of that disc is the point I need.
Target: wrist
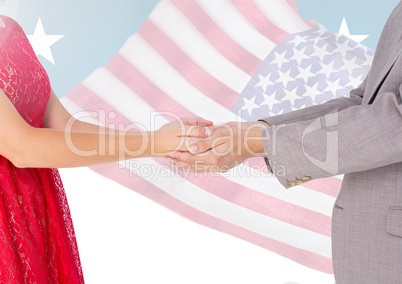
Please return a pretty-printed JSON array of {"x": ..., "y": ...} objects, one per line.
[
  {"x": 139, "y": 144},
  {"x": 253, "y": 136}
]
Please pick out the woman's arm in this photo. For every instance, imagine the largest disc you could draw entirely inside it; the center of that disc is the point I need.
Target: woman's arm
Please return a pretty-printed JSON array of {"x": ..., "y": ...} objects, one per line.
[{"x": 51, "y": 147}]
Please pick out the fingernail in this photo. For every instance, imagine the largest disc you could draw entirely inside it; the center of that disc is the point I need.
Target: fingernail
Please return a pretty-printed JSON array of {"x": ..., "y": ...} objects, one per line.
[
  {"x": 193, "y": 149},
  {"x": 208, "y": 132}
]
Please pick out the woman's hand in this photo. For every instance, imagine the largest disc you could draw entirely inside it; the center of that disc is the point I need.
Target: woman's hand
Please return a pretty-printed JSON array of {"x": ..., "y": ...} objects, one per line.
[{"x": 179, "y": 135}]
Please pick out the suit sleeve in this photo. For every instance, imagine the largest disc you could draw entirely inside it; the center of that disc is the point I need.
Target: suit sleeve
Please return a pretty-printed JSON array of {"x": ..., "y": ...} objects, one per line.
[
  {"x": 354, "y": 138},
  {"x": 276, "y": 122}
]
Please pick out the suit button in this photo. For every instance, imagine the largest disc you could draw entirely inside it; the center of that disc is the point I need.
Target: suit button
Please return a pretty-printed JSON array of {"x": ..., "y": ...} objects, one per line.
[
  {"x": 291, "y": 183},
  {"x": 299, "y": 182},
  {"x": 307, "y": 179}
]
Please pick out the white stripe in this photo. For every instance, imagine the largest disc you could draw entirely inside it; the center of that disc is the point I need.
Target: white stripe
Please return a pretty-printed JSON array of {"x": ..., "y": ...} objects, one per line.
[
  {"x": 78, "y": 112},
  {"x": 282, "y": 15},
  {"x": 110, "y": 89},
  {"x": 210, "y": 204},
  {"x": 230, "y": 20},
  {"x": 163, "y": 75},
  {"x": 181, "y": 31}
]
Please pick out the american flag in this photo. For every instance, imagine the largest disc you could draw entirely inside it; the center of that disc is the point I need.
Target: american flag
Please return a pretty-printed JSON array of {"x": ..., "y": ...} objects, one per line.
[{"x": 227, "y": 60}]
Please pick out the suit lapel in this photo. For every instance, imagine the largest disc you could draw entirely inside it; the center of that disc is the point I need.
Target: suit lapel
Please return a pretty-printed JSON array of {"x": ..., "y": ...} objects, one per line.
[{"x": 385, "y": 71}]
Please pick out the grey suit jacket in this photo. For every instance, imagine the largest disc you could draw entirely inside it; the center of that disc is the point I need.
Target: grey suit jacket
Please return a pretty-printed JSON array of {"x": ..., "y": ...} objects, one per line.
[{"x": 360, "y": 137}]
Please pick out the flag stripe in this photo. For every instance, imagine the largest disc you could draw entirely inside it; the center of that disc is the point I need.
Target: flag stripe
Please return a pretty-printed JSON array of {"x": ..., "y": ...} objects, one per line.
[
  {"x": 283, "y": 16},
  {"x": 139, "y": 84},
  {"x": 292, "y": 3},
  {"x": 217, "y": 37},
  {"x": 179, "y": 29},
  {"x": 304, "y": 196},
  {"x": 212, "y": 204},
  {"x": 150, "y": 191},
  {"x": 329, "y": 186},
  {"x": 258, "y": 202},
  {"x": 91, "y": 106},
  {"x": 187, "y": 68},
  {"x": 238, "y": 28},
  {"x": 254, "y": 15},
  {"x": 77, "y": 111},
  {"x": 162, "y": 74}
]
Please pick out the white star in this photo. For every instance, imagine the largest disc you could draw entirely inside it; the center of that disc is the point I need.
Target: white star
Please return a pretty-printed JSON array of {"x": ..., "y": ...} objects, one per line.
[
  {"x": 344, "y": 30},
  {"x": 297, "y": 40},
  {"x": 250, "y": 105},
  {"x": 264, "y": 82},
  {"x": 280, "y": 112},
  {"x": 269, "y": 101},
  {"x": 343, "y": 48},
  {"x": 369, "y": 60},
  {"x": 302, "y": 106},
  {"x": 350, "y": 65},
  {"x": 299, "y": 55},
  {"x": 327, "y": 69},
  {"x": 291, "y": 96},
  {"x": 312, "y": 92},
  {"x": 333, "y": 87},
  {"x": 41, "y": 42},
  {"x": 319, "y": 35},
  {"x": 284, "y": 78},
  {"x": 321, "y": 52},
  {"x": 355, "y": 82},
  {"x": 305, "y": 73},
  {"x": 280, "y": 58}
]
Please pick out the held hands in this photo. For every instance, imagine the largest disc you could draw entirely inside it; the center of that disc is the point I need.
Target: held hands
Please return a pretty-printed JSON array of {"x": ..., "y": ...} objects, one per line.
[
  {"x": 178, "y": 135},
  {"x": 229, "y": 145}
]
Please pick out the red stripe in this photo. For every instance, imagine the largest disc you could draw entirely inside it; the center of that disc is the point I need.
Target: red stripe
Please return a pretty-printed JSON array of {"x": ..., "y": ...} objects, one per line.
[
  {"x": 330, "y": 186},
  {"x": 187, "y": 68},
  {"x": 217, "y": 37},
  {"x": 152, "y": 192},
  {"x": 253, "y": 14},
  {"x": 244, "y": 196},
  {"x": 86, "y": 100},
  {"x": 143, "y": 87}
]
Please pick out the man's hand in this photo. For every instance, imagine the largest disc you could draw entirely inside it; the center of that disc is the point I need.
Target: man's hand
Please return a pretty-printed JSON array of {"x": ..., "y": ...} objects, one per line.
[{"x": 228, "y": 146}]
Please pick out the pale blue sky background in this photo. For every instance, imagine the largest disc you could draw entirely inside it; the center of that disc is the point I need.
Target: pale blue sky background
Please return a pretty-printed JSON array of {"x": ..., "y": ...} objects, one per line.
[{"x": 95, "y": 29}]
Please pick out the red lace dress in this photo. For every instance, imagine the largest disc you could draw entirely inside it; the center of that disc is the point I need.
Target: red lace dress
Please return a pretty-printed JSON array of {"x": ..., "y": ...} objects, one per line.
[{"x": 37, "y": 240}]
